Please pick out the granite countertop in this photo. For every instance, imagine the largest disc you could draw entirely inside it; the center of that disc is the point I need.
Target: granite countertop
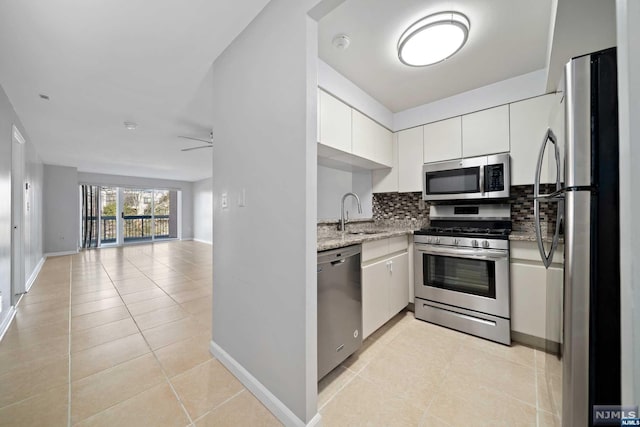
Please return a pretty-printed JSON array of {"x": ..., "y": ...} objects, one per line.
[
  {"x": 339, "y": 239},
  {"x": 530, "y": 236}
]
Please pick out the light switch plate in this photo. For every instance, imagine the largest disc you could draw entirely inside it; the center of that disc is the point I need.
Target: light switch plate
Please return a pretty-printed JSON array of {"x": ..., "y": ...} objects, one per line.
[
  {"x": 242, "y": 198},
  {"x": 224, "y": 201}
]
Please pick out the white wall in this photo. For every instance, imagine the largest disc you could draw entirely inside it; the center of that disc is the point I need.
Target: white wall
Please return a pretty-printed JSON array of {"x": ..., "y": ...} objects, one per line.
[
  {"x": 503, "y": 92},
  {"x": 61, "y": 209},
  {"x": 7, "y": 116},
  {"x": 137, "y": 182},
  {"x": 628, "y": 31},
  {"x": 33, "y": 218},
  {"x": 33, "y": 175},
  {"x": 203, "y": 210},
  {"x": 264, "y": 262},
  {"x": 334, "y": 183}
]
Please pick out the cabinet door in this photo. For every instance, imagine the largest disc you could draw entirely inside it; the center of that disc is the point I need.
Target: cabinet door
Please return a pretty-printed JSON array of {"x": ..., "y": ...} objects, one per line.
[
  {"x": 335, "y": 123},
  {"x": 554, "y": 297},
  {"x": 375, "y": 304},
  {"x": 398, "y": 283},
  {"x": 529, "y": 120},
  {"x": 443, "y": 140},
  {"x": 528, "y": 299},
  {"x": 557, "y": 125},
  {"x": 410, "y": 160},
  {"x": 485, "y": 132},
  {"x": 370, "y": 140},
  {"x": 386, "y": 180}
]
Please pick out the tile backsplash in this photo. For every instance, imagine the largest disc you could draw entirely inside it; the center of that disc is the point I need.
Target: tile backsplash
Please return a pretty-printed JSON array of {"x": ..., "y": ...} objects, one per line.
[
  {"x": 521, "y": 201},
  {"x": 400, "y": 207},
  {"x": 410, "y": 208}
]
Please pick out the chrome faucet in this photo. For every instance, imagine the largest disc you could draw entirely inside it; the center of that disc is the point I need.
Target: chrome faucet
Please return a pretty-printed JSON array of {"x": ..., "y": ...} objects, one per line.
[{"x": 341, "y": 226}]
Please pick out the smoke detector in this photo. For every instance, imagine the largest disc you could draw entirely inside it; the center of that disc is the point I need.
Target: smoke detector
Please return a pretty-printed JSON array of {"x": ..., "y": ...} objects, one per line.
[
  {"x": 130, "y": 125},
  {"x": 341, "y": 41}
]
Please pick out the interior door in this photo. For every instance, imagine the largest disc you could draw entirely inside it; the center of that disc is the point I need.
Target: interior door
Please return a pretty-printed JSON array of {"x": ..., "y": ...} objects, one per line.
[{"x": 17, "y": 215}]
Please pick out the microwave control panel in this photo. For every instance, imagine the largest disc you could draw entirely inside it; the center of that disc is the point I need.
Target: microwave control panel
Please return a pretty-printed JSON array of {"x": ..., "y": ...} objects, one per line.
[{"x": 494, "y": 177}]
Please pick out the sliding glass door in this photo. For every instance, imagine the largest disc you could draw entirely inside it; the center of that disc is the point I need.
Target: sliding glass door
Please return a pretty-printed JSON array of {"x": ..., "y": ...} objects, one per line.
[
  {"x": 108, "y": 215},
  {"x": 165, "y": 204},
  {"x": 129, "y": 215}
]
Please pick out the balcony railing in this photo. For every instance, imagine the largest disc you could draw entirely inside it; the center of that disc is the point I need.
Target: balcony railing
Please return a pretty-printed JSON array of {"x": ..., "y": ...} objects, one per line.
[{"x": 136, "y": 228}]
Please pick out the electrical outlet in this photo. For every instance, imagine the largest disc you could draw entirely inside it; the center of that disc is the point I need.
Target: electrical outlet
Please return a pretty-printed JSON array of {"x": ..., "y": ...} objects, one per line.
[
  {"x": 421, "y": 204},
  {"x": 224, "y": 201}
]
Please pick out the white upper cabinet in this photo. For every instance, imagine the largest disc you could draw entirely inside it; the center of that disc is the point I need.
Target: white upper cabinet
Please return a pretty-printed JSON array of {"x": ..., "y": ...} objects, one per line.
[
  {"x": 485, "y": 132},
  {"x": 410, "y": 159},
  {"x": 370, "y": 140},
  {"x": 529, "y": 122},
  {"x": 386, "y": 180},
  {"x": 443, "y": 140},
  {"x": 335, "y": 123}
]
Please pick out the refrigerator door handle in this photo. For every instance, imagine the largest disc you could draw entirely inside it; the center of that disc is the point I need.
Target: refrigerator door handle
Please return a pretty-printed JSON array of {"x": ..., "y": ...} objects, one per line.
[{"x": 556, "y": 196}]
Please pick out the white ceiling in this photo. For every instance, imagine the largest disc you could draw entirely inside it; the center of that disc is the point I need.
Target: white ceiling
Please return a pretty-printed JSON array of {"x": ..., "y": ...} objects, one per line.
[
  {"x": 507, "y": 38},
  {"x": 103, "y": 63}
]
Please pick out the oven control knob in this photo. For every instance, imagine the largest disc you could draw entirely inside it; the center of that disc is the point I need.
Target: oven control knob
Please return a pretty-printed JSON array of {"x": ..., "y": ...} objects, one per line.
[
  {"x": 474, "y": 243},
  {"x": 485, "y": 244},
  {"x": 429, "y": 239},
  {"x": 437, "y": 241},
  {"x": 456, "y": 242}
]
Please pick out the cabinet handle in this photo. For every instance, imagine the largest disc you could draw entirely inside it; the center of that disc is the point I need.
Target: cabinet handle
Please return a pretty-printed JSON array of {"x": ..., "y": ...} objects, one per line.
[{"x": 391, "y": 266}]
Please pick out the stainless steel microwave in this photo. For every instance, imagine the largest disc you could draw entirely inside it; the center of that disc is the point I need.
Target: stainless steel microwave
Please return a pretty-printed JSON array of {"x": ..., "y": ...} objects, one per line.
[{"x": 485, "y": 177}]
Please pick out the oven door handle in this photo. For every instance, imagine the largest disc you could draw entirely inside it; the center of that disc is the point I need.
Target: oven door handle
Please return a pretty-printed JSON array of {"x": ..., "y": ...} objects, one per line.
[{"x": 484, "y": 254}]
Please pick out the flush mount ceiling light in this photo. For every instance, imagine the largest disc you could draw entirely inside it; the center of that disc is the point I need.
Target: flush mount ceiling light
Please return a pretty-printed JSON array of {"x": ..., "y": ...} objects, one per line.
[
  {"x": 130, "y": 125},
  {"x": 433, "y": 39}
]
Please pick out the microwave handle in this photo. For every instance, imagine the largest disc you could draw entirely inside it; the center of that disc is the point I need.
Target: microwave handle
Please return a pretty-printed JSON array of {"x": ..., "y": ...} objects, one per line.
[{"x": 481, "y": 180}]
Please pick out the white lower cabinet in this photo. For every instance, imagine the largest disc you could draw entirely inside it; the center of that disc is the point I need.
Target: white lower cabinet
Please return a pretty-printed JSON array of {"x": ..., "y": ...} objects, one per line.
[
  {"x": 536, "y": 293},
  {"x": 385, "y": 281}
]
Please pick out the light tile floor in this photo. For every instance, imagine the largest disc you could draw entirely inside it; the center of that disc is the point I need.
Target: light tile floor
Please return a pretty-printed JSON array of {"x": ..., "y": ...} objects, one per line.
[
  {"x": 413, "y": 373},
  {"x": 120, "y": 337}
]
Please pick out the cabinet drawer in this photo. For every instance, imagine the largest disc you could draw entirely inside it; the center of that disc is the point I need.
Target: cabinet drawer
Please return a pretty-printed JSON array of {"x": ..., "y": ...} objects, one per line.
[
  {"x": 397, "y": 244},
  {"x": 528, "y": 251},
  {"x": 375, "y": 249}
]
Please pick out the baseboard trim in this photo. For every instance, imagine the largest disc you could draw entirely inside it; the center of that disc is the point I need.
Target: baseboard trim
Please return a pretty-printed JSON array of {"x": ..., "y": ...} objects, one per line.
[
  {"x": 535, "y": 342},
  {"x": 207, "y": 242},
  {"x": 4, "y": 327},
  {"x": 273, "y": 404},
  {"x": 52, "y": 254},
  {"x": 34, "y": 274}
]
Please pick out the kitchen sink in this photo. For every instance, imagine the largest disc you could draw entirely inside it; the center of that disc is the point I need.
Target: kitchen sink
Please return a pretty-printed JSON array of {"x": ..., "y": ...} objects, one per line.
[{"x": 365, "y": 232}]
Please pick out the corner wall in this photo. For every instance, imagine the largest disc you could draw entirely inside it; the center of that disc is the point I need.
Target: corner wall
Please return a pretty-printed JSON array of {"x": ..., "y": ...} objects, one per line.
[
  {"x": 61, "y": 210},
  {"x": 334, "y": 183},
  {"x": 203, "y": 210},
  {"x": 264, "y": 262}
]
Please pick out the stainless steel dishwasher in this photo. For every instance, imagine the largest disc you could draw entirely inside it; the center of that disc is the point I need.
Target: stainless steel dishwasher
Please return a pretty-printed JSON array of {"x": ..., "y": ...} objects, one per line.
[{"x": 339, "y": 306}]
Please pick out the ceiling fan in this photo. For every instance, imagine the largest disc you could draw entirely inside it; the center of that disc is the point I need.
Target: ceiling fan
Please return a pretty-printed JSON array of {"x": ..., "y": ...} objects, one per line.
[{"x": 209, "y": 142}]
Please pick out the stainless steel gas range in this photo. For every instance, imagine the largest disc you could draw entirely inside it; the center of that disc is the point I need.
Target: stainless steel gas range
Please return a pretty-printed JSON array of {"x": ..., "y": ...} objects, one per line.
[{"x": 462, "y": 270}]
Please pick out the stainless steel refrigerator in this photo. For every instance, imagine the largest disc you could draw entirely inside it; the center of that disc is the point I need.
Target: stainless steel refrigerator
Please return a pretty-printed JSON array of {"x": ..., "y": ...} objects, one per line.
[{"x": 587, "y": 209}]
